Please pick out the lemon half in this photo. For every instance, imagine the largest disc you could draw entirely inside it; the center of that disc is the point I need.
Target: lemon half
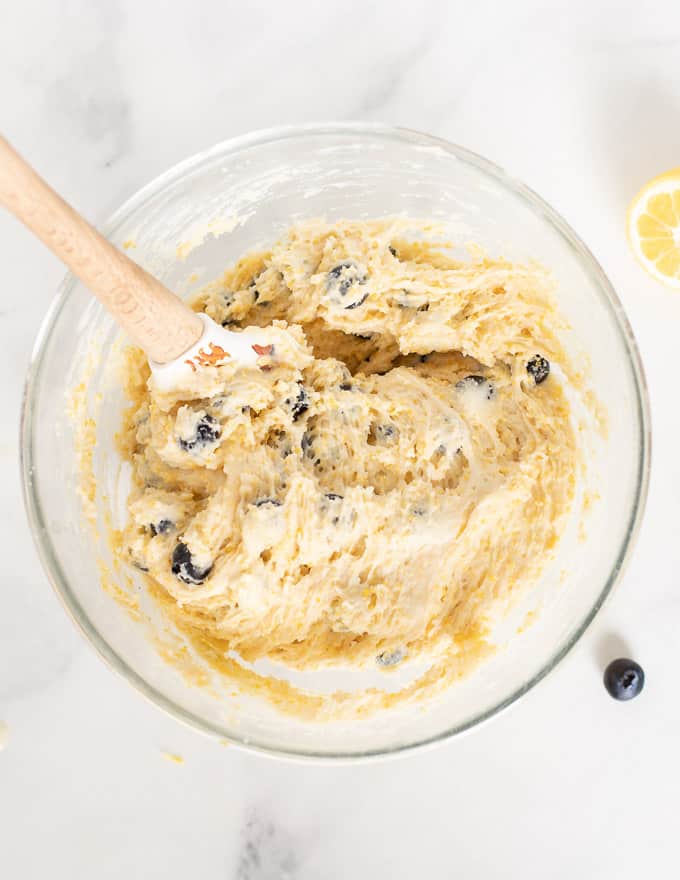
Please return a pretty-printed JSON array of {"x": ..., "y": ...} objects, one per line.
[{"x": 654, "y": 227}]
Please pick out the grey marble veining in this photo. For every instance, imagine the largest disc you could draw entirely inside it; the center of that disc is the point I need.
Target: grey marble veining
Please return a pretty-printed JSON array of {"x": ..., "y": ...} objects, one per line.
[{"x": 266, "y": 849}]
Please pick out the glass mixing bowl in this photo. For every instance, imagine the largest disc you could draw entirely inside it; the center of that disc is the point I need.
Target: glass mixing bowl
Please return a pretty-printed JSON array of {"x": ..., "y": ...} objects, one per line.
[{"x": 185, "y": 227}]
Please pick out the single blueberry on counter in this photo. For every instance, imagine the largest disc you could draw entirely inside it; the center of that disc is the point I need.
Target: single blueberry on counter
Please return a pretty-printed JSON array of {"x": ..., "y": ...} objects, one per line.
[
  {"x": 624, "y": 679},
  {"x": 539, "y": 368},
  {"x": 184, "y": 568}
]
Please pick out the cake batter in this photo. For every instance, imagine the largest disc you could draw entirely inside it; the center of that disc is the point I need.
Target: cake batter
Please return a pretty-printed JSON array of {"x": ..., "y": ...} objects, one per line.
[{"x": 396, "y": 468}]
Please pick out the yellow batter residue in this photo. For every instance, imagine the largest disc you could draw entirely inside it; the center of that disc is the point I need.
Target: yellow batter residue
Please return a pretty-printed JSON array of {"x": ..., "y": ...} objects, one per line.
[{"x": 401, "y": 468}]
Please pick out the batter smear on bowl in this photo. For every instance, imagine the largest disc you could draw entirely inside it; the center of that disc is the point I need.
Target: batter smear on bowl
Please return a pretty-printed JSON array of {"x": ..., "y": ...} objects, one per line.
[{"x": 393, "y": 471}]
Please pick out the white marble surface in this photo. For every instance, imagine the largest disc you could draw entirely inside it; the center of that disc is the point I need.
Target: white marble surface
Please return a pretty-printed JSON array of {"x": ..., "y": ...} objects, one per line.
[{"x": 581, "y": 99}]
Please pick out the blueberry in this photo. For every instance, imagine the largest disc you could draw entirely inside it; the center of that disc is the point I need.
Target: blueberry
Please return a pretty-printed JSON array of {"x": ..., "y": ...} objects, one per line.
[
  {"x": 469, "y": 382},
  {"x": 300, "y": 404},
  {"x": 382, "y": 435},
  {"x": 264, "y": 502},
  {"x": 439, "y": 456},
  {"x": 208, "y": 430},
  {"x": 162, "y": 527},
  {"x": 228, "y": 300},
  {"x": 624, "y": 679},
  {"x": 390, "y": 658},
  {"x": 343, "y": 282},
  {"x": 387, "y": 432},
  {"x": 404, "y": 300},
  {"x": 306, "y": 445},
  {"x": 256, "y": 293},
  {"x": 183, "y": 566},
  {"x": 278, "y": 439},
  {"x": 332, "y": 496},
  {"x": 357, "y": 303},
  {"x": 344, "y": 275},
  {"x": 253, "y": 289},
  {"x": 539, "y": 368}
]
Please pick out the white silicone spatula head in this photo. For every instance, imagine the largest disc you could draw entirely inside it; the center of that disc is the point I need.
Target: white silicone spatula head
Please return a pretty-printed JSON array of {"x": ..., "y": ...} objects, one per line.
[
  {"x": 176, "y": 339},
  {"x": 215, "y": 346}
]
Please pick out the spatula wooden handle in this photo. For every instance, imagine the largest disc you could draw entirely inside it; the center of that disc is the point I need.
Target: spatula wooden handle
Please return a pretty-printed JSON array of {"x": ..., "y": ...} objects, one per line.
[{"x": 155, "y": 318}]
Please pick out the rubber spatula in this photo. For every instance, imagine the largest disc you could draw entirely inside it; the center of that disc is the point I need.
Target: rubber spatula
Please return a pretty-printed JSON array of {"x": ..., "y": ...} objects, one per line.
[{"x": 175, "y": 338}]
